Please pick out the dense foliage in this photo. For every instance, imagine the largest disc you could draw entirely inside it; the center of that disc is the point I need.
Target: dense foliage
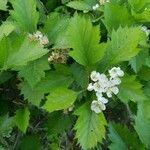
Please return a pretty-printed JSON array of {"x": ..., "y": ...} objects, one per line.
[{"x": 55, "y": 60}]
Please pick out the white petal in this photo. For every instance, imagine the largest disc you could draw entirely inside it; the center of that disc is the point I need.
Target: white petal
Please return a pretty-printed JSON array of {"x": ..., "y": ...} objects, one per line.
[
  {"x": 115, "y": 90},
  {"x": 98, "y": 94},
  {"x": 90, "y": 87},
  {"x": 94, "y": 76},
  {"x": 101, "y": 105},
  {"x": 103, "y": 100},
  {"x": 115, "y": 81},
  {"x": 109, "y": 94}
]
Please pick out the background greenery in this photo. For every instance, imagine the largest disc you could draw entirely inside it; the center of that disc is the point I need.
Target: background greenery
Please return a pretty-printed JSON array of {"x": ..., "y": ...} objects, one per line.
[{"x": 35, "y": 95}]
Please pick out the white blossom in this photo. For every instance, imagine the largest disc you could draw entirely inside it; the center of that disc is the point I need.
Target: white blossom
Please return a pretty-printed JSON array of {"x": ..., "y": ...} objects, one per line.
[
  {"x": 101, "y": 84},
  {"x": 115, "y": 81},
  {"x": 144, "y": 29},
  {"x": 102, "y": 100},
  {"x": 112, "y": 90},
  {"x": 94, "y": 76},
  {"x": 116, "y": 72},
  {"x": 97, "y": 106},
  {"x": 95, "y": 7},
  {"x": 90, "y": 87},
  {"x": 38, "y": 36}
]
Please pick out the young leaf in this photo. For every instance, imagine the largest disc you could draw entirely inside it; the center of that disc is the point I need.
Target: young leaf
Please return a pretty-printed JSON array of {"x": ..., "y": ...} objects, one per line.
[
  {"x": 119, "y": 136},
  {"x": 84, "y": 38},
  {"x": 90, "y": 127},
  {"x": 123, "y": 46},
  {"x": 53, "y": 79},
  {"x": 113, "y": 21},
  {"x": 33, "y": 72},
  {"x": 22, "y": 119},
  {"x": 25, "y": 14},
  {"x": 79, "y": 5},
  {"x": 131, "y": 89},
  {"x": 142, "y": 122},
  {"x": 60, "y": 98},
  {"x": 55, "y": 26}
]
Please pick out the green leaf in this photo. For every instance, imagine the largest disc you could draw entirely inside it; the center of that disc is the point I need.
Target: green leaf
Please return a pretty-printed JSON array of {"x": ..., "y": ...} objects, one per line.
[
  {"x": 18, "y": 51},
  {"x": 84, "y": 38},
  {"x": 5, "y": 76},
  {"x": 55, "y": 26},
  {"x": 60, "y": 98},
  {"x": 25, "y": 14},
  {"x": 58, "y": 126},
  {"x": 33, "y": 72},
  {"x": 123, "y": 46},
  {"x": 90, "y": 127},
  {"x": 79, "y": 5},
  {"x": 82, "y": 77},
  {"x": 138, "y": 5},
  {"x": 6, "y": 125},
  {"x": 52, "y": 80},
  {"x": 142, "y": 122},
  {"x": 33, "y": 95},
  {"x": 6, "y": 28},
  {"x": 116, "y": 15},
  {"x": 131, "y": 89},
  {"x": 138, "y": 61},
  {"x": 22, "y": 119},
  {"x": 119, "y": 136},
  {"x": 3, "y": 5},
  {"x": 28, "y": 142}
]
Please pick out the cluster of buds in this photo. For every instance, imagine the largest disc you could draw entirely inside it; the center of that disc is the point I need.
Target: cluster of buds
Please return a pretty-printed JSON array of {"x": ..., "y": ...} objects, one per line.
[
  {"x": 38, "y": 36},
  {"x": 103, "y": 85},
  {"x": 59, "y": 56}
]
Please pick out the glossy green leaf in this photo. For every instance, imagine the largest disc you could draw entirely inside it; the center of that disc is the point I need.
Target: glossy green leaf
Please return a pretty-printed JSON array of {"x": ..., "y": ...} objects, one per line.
[
  {"x": 25, "y": 14},
  {"x": 60, "y": 98},
  {"x": 84, "y": 39},
  {"x": 90, "y": 127}
]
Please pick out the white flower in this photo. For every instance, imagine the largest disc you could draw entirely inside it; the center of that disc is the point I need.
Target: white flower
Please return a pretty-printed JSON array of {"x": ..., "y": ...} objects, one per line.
[
  {"x": 115, "y": 81},
  {"x": 97, "y": 106},
  {"x": 38, "y": 36},
  {"x": 98, "y": 94},
  {"x": 103, "y": 100},
  {"x": 94, "y": 76},
  {"x": 95, "y": 7},
  {"x": 44, "y": 40},
  {"x": 144, "y": 29},
  {"x": 102, "y": 78},
  {"x": 90, "y": 87},
  {"x": 98, "y": 87},
  {"x": 116, "y": 72},
  {"x": 112, "y": 90}
]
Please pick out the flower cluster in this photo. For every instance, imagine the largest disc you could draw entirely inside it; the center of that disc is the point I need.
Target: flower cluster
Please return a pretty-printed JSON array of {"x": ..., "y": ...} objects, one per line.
[
  {"x": 38, "y": 36},
  {"x": 103, "y": 85}
]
